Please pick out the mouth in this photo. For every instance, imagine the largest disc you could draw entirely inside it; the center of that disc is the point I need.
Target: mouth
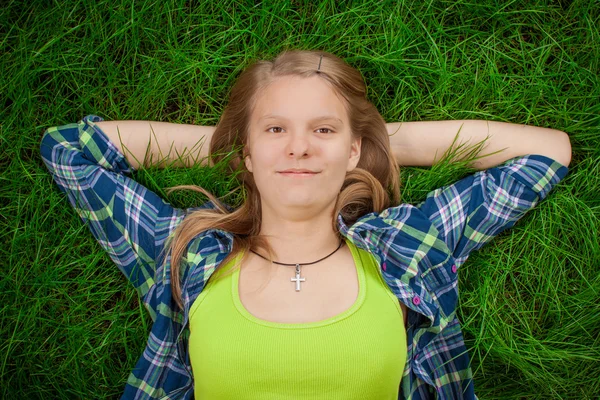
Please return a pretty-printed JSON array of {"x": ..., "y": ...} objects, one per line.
[{"x": 298, "y": 173}]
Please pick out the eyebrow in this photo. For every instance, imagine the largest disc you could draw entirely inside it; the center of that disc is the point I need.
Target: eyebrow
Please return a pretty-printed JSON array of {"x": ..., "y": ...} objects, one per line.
[{"x": 316, "y": 119}]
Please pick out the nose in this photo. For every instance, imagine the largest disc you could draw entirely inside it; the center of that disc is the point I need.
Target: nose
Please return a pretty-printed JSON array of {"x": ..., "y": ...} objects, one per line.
[{"x": 298, "y": 145}]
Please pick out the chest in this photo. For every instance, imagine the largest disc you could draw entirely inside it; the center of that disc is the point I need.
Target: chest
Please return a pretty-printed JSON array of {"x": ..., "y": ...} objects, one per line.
[{"x": 268, "y": 292}]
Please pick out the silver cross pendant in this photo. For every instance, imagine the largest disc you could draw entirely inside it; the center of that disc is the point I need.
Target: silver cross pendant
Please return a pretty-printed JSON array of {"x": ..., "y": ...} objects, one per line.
[{"x": 297, "y": 279}]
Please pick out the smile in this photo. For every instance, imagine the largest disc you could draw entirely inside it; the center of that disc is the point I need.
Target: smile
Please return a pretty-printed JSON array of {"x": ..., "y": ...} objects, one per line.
[{"x": 298, "y": 174}]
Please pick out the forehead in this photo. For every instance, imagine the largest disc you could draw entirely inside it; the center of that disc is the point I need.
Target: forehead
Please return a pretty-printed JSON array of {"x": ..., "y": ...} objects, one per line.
[{"x": 298, "y": 98}]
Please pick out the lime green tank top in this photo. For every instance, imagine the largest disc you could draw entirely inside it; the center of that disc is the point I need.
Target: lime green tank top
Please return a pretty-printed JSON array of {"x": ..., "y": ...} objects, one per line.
[{"x": 358, "y": 354}]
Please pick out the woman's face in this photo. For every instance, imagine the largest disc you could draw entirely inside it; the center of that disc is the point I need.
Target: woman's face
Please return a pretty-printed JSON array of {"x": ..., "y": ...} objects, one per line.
[{"x": 299, "y": 124}]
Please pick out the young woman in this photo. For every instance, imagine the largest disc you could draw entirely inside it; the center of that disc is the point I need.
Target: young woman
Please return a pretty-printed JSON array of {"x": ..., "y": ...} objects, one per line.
[{"x": 322, "y": 285}]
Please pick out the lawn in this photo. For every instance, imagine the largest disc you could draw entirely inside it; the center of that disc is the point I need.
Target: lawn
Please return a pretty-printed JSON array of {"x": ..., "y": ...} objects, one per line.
[{"x": 70, "y": 325}]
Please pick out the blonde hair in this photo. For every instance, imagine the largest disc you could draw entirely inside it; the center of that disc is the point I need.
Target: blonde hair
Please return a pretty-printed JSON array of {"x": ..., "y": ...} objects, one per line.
[{"x": 362, "y": 191}]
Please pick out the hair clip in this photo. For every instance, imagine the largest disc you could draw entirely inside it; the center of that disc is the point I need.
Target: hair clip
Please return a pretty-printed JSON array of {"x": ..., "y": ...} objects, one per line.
[{"x": 321, "y": 59}]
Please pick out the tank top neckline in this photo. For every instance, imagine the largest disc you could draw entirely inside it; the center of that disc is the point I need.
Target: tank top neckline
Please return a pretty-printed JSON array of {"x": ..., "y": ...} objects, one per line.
[{"x": 283, "y": 325}]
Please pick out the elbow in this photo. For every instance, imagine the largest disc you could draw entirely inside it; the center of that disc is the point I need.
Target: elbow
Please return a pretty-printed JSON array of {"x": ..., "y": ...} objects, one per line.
[
  {"x": 563, "y": 149},
  {"x": 555, "y": 145},
  {"x": 46, "y": 147},
  {"x": 54, "y": 150}
]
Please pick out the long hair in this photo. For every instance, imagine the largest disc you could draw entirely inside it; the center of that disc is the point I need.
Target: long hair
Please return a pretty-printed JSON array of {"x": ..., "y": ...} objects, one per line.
[{"x": 362, "y": 191}]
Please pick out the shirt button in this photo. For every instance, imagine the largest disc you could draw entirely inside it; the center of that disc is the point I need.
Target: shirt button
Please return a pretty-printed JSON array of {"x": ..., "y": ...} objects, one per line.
[
  {"x": 454, "y": 268},
  {"x": 416, "y": 300},
  {"x": 384, "y": 266}
]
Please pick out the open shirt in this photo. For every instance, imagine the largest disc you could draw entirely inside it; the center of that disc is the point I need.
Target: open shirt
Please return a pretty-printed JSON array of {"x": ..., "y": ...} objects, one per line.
[{"x": 419, "y": 249}]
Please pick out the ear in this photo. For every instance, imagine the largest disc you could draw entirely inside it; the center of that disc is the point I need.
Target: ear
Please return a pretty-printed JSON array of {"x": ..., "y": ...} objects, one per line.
[
  {"x": 354, "y": 158},
  {"x": 247, "y": 159}
]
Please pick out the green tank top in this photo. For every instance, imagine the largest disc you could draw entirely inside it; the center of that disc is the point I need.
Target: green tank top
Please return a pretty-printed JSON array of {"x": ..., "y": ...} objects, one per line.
[{"x": 358, "y": 354}]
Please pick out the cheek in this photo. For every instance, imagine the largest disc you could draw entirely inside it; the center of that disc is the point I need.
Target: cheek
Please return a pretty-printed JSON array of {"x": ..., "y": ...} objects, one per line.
[
  {"x": 340, "y": 160},
  {"x": 264, "y": 162},
  {"x": 264, "y": 165}
]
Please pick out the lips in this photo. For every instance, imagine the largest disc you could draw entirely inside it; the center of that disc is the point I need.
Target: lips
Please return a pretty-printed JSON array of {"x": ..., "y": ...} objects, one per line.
[{"x": 298, "y": 171}]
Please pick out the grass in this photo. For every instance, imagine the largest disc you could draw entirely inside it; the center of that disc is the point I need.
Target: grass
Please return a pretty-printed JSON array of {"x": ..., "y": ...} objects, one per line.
[{"x": 71, "y": 327}]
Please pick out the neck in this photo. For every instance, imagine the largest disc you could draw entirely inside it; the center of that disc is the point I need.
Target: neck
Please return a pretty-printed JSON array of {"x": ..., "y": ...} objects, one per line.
[{"x": 300, "y": 240}]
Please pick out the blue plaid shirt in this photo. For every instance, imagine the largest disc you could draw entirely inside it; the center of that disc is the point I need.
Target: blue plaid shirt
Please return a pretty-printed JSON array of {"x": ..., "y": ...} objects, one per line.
[{"x": 419, "y": 249}]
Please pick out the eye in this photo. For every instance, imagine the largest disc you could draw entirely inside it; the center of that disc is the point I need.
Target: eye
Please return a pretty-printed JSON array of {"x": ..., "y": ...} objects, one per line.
[
  {"x": 274, "y": 127},
  {"x": 325, "y": 129}
]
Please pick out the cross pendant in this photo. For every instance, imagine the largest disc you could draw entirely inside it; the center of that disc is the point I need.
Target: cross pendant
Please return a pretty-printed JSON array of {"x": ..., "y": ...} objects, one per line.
[{"x": 297, "y": 279}]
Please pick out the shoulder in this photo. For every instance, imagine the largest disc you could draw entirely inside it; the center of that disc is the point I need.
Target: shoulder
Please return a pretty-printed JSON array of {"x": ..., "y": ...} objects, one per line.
[
  {"x": 402, "y": 232},
  {"x": 397, "y": 218}
]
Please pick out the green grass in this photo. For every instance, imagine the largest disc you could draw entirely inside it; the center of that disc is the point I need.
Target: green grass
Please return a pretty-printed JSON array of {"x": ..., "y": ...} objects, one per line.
[{"x": 71, "y": 327}]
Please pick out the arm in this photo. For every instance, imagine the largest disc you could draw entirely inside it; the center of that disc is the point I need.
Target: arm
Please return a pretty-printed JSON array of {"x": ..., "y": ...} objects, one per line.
[
  {"x": 156, "y": 143},
  {"x": 416, "y": 143},
  {"x": 420, "y": 143},
  {"x": 130, "y": 222}
]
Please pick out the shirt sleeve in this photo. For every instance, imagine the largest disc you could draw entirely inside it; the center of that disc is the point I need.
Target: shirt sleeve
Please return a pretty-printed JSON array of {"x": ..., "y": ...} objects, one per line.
[
  {"x": 472, "y": 211},
  {"x": 129, "y": 221}
]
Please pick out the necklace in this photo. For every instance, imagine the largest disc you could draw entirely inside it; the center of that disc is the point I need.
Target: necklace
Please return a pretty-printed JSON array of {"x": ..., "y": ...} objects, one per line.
[{"x": 298, "y": 279}]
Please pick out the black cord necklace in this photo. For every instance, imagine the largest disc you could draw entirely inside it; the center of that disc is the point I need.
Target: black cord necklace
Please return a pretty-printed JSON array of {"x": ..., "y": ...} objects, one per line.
[{"x": 297, "y": 279}]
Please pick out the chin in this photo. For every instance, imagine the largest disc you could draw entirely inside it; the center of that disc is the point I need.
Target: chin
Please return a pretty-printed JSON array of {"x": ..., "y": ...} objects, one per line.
[
  {"x": 298, "y": 202},
  {"x": 306, "y": 202}
]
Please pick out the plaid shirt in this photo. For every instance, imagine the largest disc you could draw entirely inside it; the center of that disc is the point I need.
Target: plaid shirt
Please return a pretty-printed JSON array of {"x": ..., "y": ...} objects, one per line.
[{"x": 419, "y": 249}]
